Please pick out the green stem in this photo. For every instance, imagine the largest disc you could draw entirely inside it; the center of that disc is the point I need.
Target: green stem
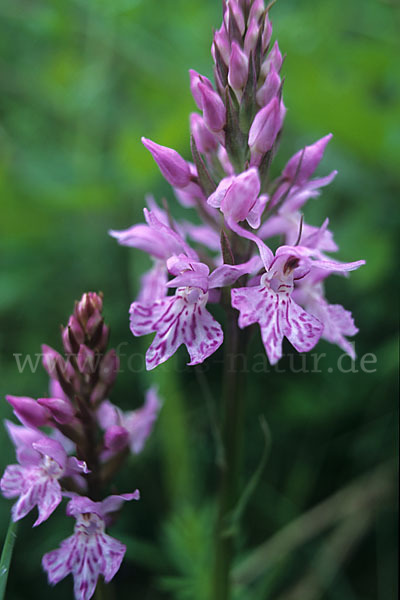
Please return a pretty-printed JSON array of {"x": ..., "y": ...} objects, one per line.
[
  {"x": 232, "y": 435},
  {"x": 104, "y": 591},
  {"x": 6, "y": 555}
]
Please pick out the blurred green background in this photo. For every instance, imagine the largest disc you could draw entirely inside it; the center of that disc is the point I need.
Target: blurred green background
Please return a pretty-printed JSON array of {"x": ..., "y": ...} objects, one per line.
[{"x": 81, "y": 81}]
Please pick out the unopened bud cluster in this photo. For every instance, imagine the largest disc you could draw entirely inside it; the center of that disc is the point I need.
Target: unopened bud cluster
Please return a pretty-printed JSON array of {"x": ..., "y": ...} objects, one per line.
[{"x": 88, "y": 369}]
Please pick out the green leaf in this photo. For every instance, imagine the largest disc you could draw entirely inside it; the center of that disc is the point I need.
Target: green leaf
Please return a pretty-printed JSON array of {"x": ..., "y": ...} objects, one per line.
[
  {"x": 235, "y": 141},
  {"x": 253, "y": 482},
  {"x": 188, "y": 537},
  {"x": 6, "y": 556},
  {"x": 206, "y": 181},
  {"x": 248, "y": 105}
]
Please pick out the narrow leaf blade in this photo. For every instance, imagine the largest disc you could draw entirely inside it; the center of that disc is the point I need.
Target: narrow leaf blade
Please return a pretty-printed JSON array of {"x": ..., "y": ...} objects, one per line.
[{"x": 6, "y": 556}]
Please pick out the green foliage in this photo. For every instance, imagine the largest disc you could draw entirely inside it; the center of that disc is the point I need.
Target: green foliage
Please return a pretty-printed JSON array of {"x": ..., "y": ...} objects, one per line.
[
  {"x": 188, "y": 539},
  {"x": 6, "y": 556}
]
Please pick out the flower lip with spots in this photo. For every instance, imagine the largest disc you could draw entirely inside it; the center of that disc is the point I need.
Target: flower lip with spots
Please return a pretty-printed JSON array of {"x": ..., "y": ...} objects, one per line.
[
  {"x": 270, "y": 304},
  {"x": 183, "y": 318},
  {"x": 89, "y": 552},
  {"x": 35, "y": 481}
]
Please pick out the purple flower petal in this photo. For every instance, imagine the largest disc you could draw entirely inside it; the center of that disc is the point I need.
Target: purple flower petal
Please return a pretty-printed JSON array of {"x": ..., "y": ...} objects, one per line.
[
  {"x": 188, "y": 273},
  {"x": 76, "y": 466},
  {"x": 303, "y": 164},
  {"x": 254, "y": 216},
  {"x": 139, "y": 423},
  {"x": 156, "y": 244},
  {"x": 265, "y": 252},
  {"x": 302, "y": 329},
  {"x": 174, "y": 168},
  {"x": 85, "y": 556},
  {"x": 23, "y": 438},
  {"x": 177, "y": 320},
  {"x": 35, "y": 488},
  {"x": 57, "y": 563},
  {"x": 113, "y": 503},
  {"x": 278, "y": 316},
  {"x": 153, "y": 284},
  {"x": 61, "y": 409},
  {"x": 28, "y": 411},
  {"x": 12, "y": 482},
  {"x": 48, "y": 498},
  {"x": 203, "y": 234},
  {"x": 52, "y": 449},
  {"x": 338, "y": 322},
  {"x": 237, "y": 196},
  {"x": 108, "y": 414},
  {"x": 228, "y": 274}
]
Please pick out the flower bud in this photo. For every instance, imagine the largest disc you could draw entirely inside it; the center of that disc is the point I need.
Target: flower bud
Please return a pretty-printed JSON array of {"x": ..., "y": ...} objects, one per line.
[
  {"x": 56, "y": 390},
  {"x": 86, "y": 360},
  {"x": 221, "y": 41},
  {"x": 234, "y": 12},
  {"x": 195, "y": 79},
  {"x": 72, "y": 335},
  {"x": 265, "y": 127},
  {"x": 213, "y": 108},
  {"x": 267, "y": 33},
  {"x": 28, "y": 411},
  {"x": 109, "y": 367},
  {"x": 303, "y": 164},
  {"x": 205, "y": 140},
  {"x": 251, "y": 37},
  {"x": 60, "y": 409},
  {"x": 273, "y": 58},
  {"x": 174, "y": 168},
  {"x": 103, "y": 340},
  {"x": 220, "y": 81},
  {"x": 68, "y": 342},
  {"x": 238, "y": 67},
  {"x": 94, "y": 322},
  {"x": 76, "y": 329},
  {"x": 116, "y": 438},
  {"x": 54, "y": 363},
  {"x": 99, "y": 392},
  {"x": 87, "y": 305},
  {"x": 256, "y": 10},
  {"x": 225, "y": 161},
  {"x": 236, "y": 195},
  {"x": 270, "y": 88}
]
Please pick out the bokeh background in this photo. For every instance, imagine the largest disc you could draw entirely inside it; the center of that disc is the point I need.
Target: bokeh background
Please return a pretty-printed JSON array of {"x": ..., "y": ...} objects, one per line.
[{"x": 80, "y": 82}]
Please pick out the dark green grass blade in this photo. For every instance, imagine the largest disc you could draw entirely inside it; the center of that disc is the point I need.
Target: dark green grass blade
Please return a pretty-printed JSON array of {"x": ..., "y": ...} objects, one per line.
[{"x": 6, "y": 555}]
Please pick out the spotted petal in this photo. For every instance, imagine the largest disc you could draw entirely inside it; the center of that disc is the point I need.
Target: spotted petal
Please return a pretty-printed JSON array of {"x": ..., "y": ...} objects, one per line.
[
  {"x": 338, "y": 323},
  {"x": 278, "y": 316},
  {"x": 177, "y": 320},
  {"x": 86, "y": 557},
  {"x": 57, "y": 563},
  {"x": 302, "y": 329},
  {"x": 48, "y": 498},
  {"x": 12, "y": 482},
  {"x": 34, "y": 488}
]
